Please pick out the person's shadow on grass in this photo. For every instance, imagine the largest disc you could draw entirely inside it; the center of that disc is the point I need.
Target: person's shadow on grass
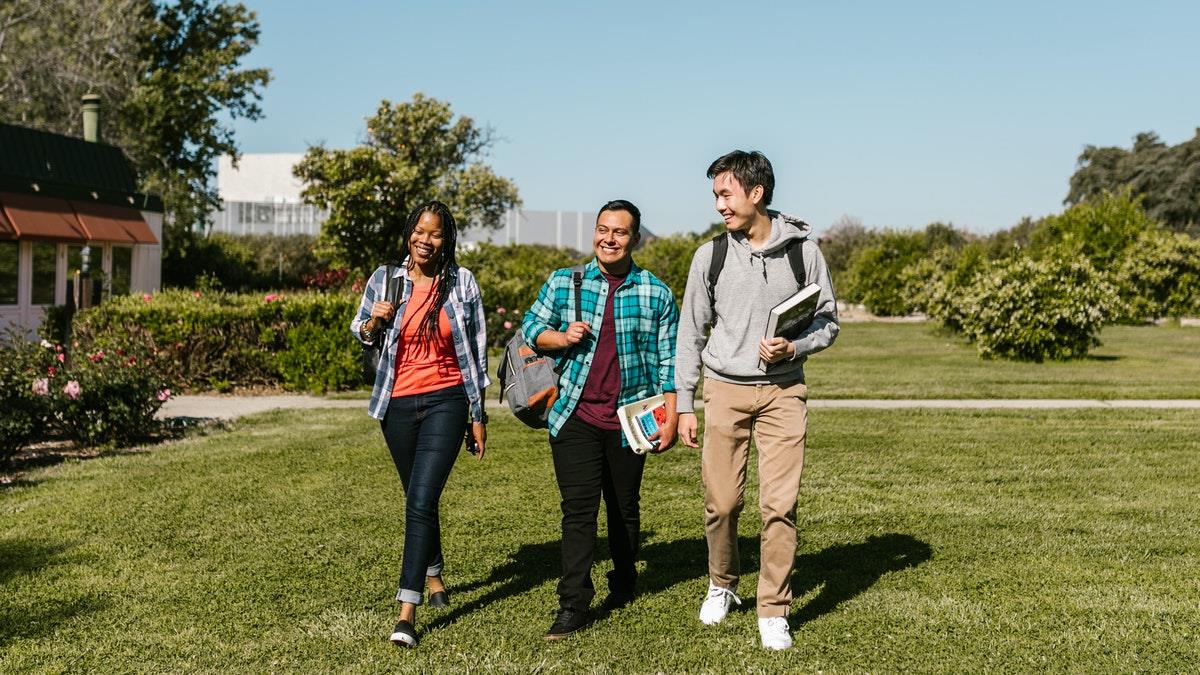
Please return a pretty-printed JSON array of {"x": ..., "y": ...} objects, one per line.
[
  {"x": 846, "y": 570},
  {"x": 843, "y": 571}
]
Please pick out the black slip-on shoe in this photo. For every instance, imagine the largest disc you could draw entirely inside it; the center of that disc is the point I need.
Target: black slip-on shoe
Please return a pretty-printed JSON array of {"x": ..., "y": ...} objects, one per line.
[
  {"x": 404, "y": 635},
  {"x": 568, "y": 621},
  {"x": 439, "y": 600}
]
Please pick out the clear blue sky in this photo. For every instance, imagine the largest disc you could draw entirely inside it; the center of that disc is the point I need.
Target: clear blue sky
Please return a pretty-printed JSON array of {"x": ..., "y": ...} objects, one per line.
[{"x": 897, "y": 113}]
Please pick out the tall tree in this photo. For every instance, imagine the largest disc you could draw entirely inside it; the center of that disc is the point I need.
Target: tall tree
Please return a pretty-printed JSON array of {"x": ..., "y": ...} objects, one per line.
[
  {"x": 170, "y": 76},
  {"x": 414, "y": 151},
  {"x": 1166, "y": 177}
]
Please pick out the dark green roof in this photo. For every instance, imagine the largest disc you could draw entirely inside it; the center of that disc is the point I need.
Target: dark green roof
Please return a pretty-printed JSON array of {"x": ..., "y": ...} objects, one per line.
[{"x": 72, "y": 168}]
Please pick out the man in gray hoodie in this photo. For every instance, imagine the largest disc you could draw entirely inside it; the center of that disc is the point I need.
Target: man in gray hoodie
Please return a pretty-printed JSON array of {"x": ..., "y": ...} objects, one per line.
[{"x": 739, "y": 397}]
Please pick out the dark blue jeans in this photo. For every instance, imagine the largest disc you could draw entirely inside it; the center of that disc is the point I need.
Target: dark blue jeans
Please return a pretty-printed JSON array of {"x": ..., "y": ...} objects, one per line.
[{"x": 423, "y": 433}]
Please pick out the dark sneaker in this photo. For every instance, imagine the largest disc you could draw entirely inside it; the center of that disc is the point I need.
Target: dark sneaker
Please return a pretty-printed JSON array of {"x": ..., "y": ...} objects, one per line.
[
  {"x": 404, "y": 635},
  {"x": 567, "y": 622},
  {"x": 439, "y": 600}
]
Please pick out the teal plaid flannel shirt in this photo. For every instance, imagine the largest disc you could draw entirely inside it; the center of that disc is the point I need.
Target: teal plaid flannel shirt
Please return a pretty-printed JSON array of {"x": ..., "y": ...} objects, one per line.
[{"x": 646, "y": 321}]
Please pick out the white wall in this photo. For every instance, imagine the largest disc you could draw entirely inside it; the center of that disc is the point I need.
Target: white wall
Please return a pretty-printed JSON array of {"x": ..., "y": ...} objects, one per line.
[{"x": 259, "y": 178}]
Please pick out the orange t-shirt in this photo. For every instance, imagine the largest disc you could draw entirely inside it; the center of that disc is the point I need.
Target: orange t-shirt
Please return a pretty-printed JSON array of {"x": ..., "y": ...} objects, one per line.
[{"x": 424, "y": 366}]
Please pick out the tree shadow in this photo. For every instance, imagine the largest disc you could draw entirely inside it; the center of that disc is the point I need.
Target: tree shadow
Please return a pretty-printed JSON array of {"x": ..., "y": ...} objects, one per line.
[
  {"x": 26, "y": 558},
  {"x": 844, "y": 571},
  {"x": 1103, "y": 357}
]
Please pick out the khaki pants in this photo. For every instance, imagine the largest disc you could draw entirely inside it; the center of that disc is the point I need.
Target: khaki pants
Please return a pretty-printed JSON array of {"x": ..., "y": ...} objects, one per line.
[{"x": 778, "y": 418}]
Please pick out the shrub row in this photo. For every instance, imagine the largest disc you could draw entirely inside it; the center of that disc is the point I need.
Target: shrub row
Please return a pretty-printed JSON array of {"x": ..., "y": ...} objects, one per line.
[
  {"x": 223, "y": 340},
  {"x": 1041, "y": 290}
]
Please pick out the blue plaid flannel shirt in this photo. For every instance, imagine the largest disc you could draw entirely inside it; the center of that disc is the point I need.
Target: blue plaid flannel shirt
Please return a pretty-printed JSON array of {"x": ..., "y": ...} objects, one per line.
[
  {"x": 646, "y": 321},
  {"x": 468, "y": 330}
]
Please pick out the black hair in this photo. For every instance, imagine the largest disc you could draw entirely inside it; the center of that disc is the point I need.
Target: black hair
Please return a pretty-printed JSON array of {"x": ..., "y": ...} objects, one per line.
[
  {"x": 446, "y": 267},
  {"x": 749, "y": 169},
  {"x": 626, "y": 206}
]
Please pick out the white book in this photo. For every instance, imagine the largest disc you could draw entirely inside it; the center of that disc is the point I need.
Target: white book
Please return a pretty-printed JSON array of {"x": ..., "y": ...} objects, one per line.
[
  {"x": 640, "y": 420},
  {"x": 791, "y": 316}
]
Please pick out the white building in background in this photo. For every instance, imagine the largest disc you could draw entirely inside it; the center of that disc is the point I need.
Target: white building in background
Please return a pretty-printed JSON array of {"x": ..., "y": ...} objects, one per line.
[{"x": 261, "y": 196}]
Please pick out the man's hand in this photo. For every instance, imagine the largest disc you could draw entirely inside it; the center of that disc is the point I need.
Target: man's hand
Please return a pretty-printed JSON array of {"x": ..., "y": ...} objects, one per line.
[
  {"x": 666, "y": 435},
  {"x": 687, "y": 427},
  {"x": 775, "y": 349},
  {"x": 575, "y": 333}
]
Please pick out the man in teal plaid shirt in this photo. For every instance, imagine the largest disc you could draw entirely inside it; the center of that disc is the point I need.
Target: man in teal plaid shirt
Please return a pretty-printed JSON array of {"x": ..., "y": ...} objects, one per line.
[{"x": 621, "y": 351}]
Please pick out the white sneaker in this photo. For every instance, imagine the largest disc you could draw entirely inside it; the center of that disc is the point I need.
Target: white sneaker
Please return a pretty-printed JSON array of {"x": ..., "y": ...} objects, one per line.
[
  {"x": 775, "y": 633},
  {"x": 716, "y": 604}
]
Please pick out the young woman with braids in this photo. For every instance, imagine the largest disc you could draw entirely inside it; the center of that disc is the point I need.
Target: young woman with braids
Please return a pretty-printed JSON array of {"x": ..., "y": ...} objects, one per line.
[{"x": 428, "y": 392}]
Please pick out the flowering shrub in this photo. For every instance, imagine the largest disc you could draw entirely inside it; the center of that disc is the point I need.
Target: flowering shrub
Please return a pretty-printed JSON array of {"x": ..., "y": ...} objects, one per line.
[
  {"x": 115, "y": 383},
  {"x": 1160, "y": 277},
  {"x": 23, "y": 386},
  {"x": 327, "y": 279},
  {"x": 1027, "y": 309},
  {"x": 106, "y": 394}
]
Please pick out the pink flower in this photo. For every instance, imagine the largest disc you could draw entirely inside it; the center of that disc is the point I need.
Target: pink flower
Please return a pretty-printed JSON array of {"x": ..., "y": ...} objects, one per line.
[
  {"x": 41, "y": 386},
  {"x": 72, "y": 389},
  {"x": 195, "y": 294},
  {"x": 97, "y": 357},
  {"x": 500, "y": 310},
  {"x": 52, "y": 371},
  {"x": 62, "y": 358},
  {"x": 271, "y": 297},
  {"x": 147, "y": 297},
  {"x": 507, "y": 325},
  {"x": 163, "y": 395}
]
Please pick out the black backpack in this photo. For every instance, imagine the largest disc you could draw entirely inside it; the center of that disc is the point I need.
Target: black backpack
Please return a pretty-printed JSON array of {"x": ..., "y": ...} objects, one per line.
[{"x": 720, "y": 248}]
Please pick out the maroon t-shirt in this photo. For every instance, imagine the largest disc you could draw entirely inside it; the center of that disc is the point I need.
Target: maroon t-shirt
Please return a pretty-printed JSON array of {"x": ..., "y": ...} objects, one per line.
[{"x": 598, "y": 402}]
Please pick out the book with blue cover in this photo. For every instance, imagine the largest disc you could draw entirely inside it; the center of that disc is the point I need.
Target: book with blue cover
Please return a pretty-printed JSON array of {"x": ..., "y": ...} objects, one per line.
[{"x": 642, "y": 419}]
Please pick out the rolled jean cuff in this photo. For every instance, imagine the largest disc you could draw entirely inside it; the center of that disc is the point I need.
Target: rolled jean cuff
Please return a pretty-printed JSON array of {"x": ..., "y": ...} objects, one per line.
[
  {"x": 405, "y": 595},
  {"x": 434, "y": 570}
]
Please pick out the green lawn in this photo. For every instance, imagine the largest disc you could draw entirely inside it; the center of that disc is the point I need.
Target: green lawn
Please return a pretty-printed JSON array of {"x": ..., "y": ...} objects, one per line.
[
  {"x": 950, "y": 541},
  {"x": 905, "y": 360}
]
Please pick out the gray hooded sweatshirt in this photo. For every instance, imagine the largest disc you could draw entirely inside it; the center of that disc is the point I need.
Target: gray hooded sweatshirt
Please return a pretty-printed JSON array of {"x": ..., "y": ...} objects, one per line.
[{"x": 751, "y": 283}]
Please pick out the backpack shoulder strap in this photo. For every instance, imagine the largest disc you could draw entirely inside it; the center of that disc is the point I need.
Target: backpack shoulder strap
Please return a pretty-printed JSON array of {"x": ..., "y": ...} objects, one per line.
[
  {"x": 720, "y": 248},
  {"x": 577, "y": 282},
  {"x": 795, "y": 254}
]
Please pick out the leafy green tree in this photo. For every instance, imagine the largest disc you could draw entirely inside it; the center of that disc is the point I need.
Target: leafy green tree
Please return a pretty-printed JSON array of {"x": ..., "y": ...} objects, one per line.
[
  {"x": 170, "y": 76},
  {"x": 414, "y": 151},
  {"x": 670, "y": 258},
  {"x": 1166, "y": 177},
  {"x": 1037, "y": 309},
  {"x": 1100, "y": 228},
  {"x": 1160, "y": 277}
]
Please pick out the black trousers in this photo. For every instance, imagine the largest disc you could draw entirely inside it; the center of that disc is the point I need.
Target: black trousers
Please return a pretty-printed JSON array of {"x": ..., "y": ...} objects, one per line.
[{"x": 589, "y": 463}]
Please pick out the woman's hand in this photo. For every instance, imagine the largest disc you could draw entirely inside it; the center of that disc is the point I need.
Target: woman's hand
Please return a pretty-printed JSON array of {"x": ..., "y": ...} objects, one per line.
[
  {"x": 477, "y": 435},
  {"x": 383, "y": 310}
]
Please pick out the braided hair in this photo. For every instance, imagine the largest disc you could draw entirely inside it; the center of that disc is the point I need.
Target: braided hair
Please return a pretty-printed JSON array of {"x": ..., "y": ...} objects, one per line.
[{"x": 446, "y": 268}]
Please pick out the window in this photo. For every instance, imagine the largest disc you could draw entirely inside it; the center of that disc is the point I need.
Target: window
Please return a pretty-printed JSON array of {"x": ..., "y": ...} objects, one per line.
[
  {"x": 122, "y": 270},
  {"x": 44, "y": 259},
  {"x": 9, "y": 251}
]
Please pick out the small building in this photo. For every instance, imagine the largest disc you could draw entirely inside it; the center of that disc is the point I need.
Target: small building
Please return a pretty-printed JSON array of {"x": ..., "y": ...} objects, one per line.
[{"x": 69, "y": 205}]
